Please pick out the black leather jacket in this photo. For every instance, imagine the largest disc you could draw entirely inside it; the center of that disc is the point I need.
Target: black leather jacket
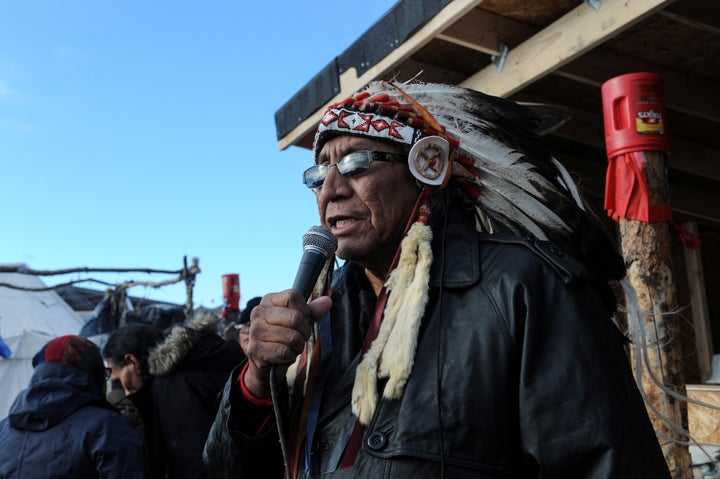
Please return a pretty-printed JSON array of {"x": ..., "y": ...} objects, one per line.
[{"x": 519, "y": 373}]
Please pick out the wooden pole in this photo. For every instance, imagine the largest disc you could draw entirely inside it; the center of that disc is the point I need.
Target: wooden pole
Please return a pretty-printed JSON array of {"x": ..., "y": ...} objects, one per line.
[
  {"x": 700, "y": 310},
  {"x": 646, "y": 248},
  {"x": 189, "y": 276}
]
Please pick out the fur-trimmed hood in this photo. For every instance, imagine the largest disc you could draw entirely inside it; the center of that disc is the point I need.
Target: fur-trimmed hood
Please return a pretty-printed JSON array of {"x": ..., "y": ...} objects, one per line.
[
  {"x": 189, "y": 371},
  {"x": 180, "y": 342}
]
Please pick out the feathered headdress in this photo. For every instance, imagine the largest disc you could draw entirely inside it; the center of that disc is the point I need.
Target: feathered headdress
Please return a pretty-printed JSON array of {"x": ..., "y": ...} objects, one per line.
[{"x": 486, "y": 147}]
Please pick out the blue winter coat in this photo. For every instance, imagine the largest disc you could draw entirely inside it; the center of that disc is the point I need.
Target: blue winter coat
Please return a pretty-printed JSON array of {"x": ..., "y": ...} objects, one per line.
[{"x": 61, "y": 426}]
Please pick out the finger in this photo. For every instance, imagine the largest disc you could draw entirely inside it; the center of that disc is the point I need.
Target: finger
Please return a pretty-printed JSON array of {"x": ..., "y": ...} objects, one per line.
[
  {"x": 284, "y": 310},
  {"x": 290, "y": 298},
  {"x": 277, "y": 331},
  {"x": 319, "y": 307},
  {"x": 283, "y": 337},
  {"x": 271, "y": 336}
]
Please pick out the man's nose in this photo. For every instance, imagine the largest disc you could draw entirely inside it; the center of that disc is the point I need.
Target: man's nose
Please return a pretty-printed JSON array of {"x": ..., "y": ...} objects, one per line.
[{"x": 334, "y": 185}]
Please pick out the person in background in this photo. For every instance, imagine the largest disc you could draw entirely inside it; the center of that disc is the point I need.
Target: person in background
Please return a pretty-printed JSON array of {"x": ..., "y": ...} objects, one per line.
[
  {"x": 62, "y": 426},
  {"x": 243, "y": 324},
  {"x": 126, "y": 353},
  {"x": 229, "y": 324},
  {"x": 189, "y": 368},
  {"x": 469, "y": 333},
  {"x": 234, "y": 323}
]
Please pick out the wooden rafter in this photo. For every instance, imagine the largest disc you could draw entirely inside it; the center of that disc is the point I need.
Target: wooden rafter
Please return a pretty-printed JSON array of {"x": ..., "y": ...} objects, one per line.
[{"x": 575, "y": 33}]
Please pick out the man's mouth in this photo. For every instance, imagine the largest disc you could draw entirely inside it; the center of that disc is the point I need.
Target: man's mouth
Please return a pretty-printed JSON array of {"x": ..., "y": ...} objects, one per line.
[
  {"x": 343, "y": 222},
  {"x": 339, "y": 222}
]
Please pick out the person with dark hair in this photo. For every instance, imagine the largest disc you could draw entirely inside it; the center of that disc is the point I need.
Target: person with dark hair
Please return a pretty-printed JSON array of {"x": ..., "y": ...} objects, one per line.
[
  {"x": 469, "y": 333},
  {"x": 126, "y": 353},
  {"x": 62, "y": 426},
  {"x": 174, "y": 380}
]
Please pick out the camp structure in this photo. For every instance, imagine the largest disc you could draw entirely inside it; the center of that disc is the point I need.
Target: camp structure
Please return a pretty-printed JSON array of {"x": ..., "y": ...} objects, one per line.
[{"x": 28, "y": 320}]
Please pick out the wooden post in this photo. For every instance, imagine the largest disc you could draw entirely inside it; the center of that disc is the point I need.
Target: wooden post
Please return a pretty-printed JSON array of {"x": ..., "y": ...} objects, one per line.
[
  {"x": 700, "y": 310},
  {"x": 646, "y": 248},
  {"x": 189, "y": 277}
]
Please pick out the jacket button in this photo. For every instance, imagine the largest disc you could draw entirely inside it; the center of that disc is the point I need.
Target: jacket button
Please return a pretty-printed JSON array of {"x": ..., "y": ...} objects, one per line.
[
  {"x": 376, "y": 441},
  {"x": 555, "y": 249}
]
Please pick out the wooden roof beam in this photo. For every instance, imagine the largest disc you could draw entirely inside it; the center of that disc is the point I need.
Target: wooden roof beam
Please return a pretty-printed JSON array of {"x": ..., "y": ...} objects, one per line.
[
  {"x": 587, "y": 128},
  {"x": 690, "y": 95},
  {"x": 701, "y": 14},
  {"x": 572, "y": 35},
  {"x": 481, "y": 30}
]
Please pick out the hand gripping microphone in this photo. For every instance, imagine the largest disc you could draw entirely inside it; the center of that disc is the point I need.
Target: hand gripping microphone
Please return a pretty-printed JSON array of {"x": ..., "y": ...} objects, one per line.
[{"x": 318, "y": 246}]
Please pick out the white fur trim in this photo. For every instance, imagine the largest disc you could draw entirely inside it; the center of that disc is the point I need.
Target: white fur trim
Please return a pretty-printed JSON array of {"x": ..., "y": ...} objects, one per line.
[
  {"x": 392, "y": 354},
  {"x": 399, "y": 353}
]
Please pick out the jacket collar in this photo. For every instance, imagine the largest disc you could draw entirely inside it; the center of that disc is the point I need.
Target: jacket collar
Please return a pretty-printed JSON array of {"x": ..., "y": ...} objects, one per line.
[{"x": 455, "y": 249}]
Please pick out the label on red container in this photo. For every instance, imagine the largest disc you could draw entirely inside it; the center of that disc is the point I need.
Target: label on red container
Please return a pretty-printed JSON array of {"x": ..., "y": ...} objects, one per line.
[{"x": 649, "y": 122}]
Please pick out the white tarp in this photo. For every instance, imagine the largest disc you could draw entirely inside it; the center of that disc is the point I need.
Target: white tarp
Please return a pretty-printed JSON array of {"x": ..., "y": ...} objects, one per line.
[{"x": 28, "y": 320}]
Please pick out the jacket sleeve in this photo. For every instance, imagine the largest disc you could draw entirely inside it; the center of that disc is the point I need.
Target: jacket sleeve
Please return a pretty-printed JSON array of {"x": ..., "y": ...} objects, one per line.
[
  {"x": 581, "y": 413},
  {"x": 118, "y": 450},
  {"x": 232, "y": 449}
]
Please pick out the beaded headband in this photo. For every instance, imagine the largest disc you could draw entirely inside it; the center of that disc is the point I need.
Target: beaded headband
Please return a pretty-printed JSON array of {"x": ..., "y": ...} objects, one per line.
[
  {"x": 348, "y": 122},
  {"x": 382, "y": 118}
]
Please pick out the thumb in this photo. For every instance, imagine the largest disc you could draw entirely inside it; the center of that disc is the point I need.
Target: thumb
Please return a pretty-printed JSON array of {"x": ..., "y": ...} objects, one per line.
[{"x": 319, "y": 307}]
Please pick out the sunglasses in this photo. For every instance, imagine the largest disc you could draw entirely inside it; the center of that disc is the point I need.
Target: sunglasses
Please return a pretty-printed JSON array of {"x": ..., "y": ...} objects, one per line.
[{"x": 351, "y": 164}]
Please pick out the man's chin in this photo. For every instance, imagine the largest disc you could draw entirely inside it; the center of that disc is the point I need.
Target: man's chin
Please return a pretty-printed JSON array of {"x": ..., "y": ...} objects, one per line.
[{"x": 348, "y": 251}]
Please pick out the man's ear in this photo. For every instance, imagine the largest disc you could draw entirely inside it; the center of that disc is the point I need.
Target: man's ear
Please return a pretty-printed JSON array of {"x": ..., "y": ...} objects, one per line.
[{"x": 131, "y": 359}]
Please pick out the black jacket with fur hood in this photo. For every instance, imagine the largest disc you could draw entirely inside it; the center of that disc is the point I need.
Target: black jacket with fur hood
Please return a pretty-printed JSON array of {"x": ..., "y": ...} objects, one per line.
[{"x": 190, "y": 369}]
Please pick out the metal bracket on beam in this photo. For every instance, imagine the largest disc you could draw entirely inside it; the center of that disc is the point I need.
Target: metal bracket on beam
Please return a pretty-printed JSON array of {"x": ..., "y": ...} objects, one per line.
[
  {"x": 499, "y": 59},
  {"x": 595, "y": 4}
]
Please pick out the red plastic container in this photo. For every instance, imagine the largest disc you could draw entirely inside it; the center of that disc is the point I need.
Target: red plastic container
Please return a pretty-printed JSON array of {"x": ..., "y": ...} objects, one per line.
[
  {"x": 634, "y": 114},
  {"x": 231, "y": 290}
]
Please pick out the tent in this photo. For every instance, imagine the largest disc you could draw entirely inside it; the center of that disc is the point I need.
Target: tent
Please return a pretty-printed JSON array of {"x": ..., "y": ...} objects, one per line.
[{"x": 28, "y": 320}]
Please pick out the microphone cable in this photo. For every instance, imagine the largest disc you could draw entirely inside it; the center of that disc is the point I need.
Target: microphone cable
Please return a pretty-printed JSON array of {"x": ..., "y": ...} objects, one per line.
[{"x": 274, "y": 395}]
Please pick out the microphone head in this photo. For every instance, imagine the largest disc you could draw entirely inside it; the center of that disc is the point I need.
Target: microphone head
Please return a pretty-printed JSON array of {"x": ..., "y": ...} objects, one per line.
[{"x": 320, "y": 240}]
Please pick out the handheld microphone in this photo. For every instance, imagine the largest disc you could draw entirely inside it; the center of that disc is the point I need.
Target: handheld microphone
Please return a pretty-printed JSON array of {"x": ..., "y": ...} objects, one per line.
[{"x": 318, "y": 246}]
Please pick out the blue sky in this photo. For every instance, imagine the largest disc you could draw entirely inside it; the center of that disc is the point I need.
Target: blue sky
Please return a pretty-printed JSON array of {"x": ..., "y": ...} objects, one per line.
[{"x": 134, "y": 133}]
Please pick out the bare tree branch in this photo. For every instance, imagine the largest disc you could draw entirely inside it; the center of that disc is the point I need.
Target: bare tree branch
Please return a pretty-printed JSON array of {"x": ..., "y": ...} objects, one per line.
[
  {"x": 57, "y": 286},
  {"x": 36, "y": 272},
  {"x": 185, "y": 274}
]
